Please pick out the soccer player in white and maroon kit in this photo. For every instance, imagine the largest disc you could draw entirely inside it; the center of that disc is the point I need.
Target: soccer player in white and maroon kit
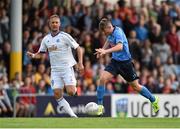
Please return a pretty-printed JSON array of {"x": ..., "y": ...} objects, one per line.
[{"x": 58, "y": 44}]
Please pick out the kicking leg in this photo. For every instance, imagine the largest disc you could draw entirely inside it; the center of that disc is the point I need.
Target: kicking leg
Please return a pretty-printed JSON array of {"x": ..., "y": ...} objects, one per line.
[
  {"x": 58, "y": 94},
  {"x": 105, "y": 76},
  {"x": 146, "y": 93}
]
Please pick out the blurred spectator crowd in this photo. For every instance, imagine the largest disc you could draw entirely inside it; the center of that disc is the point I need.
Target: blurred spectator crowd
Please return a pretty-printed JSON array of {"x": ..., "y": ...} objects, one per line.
[{"x": 153, "y": 31}]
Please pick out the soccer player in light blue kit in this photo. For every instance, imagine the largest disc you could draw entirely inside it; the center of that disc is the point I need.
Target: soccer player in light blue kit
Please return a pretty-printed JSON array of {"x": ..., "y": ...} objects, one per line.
[{"x": 120, "y": 64}]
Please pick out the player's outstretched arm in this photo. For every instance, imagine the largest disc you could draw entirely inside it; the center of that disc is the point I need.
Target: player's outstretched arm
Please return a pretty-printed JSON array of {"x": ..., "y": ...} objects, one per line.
[
  {"x": 116, "y": 48},
  {"x": 80, "y": 59},
  {"x": 32, "y": 55}
]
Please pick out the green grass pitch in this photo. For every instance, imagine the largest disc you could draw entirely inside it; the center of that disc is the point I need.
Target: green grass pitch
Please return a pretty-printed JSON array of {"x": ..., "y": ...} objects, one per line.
[{"x": 90, "y": 122}]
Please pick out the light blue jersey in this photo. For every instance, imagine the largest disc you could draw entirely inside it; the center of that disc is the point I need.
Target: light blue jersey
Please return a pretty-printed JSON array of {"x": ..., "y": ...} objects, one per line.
[{"x": 118, "y": 36}]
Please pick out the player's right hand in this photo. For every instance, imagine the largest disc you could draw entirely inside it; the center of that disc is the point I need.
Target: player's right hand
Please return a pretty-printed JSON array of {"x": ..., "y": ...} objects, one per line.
[
  {"x": 30, "y": 54},
  {"x": 101, "y": 51},
  {"x": 80, "y": 68}
]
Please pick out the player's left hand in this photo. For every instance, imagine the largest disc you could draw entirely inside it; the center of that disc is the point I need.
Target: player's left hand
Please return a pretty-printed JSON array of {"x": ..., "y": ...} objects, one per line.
[
  {"x": 101, "y": 51},
  {"x": 80, "y": 68}
]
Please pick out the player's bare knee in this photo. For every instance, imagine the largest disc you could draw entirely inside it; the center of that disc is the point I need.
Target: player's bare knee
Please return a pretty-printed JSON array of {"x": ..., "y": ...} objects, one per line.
[
  {"x": 71, "y": 91},
  {"x": 57, "y": 94},
  {"x": 136, "y": 87},
  {"x": 103, "y": 79}
]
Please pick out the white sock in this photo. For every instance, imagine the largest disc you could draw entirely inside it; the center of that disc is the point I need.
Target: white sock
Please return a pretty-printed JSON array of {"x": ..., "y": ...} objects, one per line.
[{"x": 66, "y": 107}]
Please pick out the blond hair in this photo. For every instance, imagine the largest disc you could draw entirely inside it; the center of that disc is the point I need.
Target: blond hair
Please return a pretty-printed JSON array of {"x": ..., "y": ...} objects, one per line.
[{"x": 54, "y": 15}]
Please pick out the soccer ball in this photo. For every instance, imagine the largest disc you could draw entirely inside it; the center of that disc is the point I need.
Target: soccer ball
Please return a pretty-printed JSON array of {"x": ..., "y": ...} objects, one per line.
[{"x": 91, "y": 108}]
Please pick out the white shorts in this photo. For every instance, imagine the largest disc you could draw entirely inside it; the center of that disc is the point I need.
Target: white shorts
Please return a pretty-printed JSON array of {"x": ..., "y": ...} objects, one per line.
[{"x": 62, "y": 78}]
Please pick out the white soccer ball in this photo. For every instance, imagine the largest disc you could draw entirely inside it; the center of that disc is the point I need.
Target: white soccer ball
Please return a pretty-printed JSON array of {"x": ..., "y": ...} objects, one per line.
[{"x": 91, "y": 108}]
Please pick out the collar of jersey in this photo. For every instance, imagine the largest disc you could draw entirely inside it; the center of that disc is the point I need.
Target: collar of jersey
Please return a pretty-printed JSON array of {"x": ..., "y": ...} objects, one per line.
[
  {"x": 113, "y": 30},
  {"x": 55, "y": 34}
]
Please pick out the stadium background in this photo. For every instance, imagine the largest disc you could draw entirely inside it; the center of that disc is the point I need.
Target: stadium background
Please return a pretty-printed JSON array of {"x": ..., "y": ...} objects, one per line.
[{"x": 153, "y": 31}]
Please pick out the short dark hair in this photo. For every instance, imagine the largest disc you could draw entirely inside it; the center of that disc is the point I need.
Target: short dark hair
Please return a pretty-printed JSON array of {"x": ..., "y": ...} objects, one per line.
[{"x": 104, "y": 23}]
